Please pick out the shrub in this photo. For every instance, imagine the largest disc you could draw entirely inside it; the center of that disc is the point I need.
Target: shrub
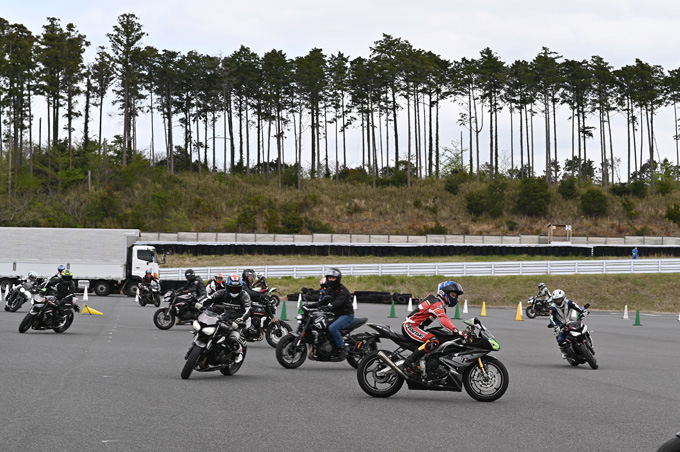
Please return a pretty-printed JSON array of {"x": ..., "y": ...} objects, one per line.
[
  {"x": 292, "y": 222},
  {"x": 534, "y": 197},
  {"x": 453, "y": 182},
  {"x": 629, "y": 207},
  {"x": 568, "y": 188},
  {"x": 638, "y": 188},
  {"x": 318, "y": 226},
  {"x": 594, "y": 203},
  {"x": 474, "y": 203},
  {"x": 620, "y": 189},
  {"x": 436, "y": 229},
  {"x": 665, "y": 186},
  {"x": 495, "y": 197},
  {"x": 673, "y": 214},
  {"x": 271, "y": 221}
]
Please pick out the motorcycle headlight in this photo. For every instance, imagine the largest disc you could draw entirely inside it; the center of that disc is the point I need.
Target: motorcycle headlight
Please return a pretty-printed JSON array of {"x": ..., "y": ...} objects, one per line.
[
  {"x": 209, "y": 330},
  {"x": 574, "y": 333},
  {"x": 196, "y": 325},
  {"x": 22, "y": 290},
  {"x": 299, "y": 317}
]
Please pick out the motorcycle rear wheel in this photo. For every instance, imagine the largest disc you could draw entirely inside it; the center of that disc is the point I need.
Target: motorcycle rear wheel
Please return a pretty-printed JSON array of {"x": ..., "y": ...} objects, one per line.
[
  {"x": 288, "y": 355},
  {"x": 376, "y": 378},
  {"x": 191, "y": 362},
  {"x": 163, "y": 319},
  {"x": 66, "y": 323},
  {"x": 26, "y": 323},
  {"x": 233, "y": 367},
  {"x": 530, "y": 312},
  {"x": 590, "y": 359},
  {"x": 355, "y": 359},
  {"x": 274, "y": 333},
  {"x": 489, "y": 385}
]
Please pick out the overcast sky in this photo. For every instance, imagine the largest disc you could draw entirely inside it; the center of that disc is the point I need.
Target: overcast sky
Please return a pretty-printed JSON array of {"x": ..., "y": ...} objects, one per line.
[{"x": 618, "y": 31}]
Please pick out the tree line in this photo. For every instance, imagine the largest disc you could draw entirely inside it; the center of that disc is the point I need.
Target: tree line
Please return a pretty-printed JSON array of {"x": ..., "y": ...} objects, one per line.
[{"x": 256, "y": 104}]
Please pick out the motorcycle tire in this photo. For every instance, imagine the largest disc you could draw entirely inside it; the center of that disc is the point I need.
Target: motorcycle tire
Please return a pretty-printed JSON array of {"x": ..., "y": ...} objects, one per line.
[
  {"x": 191, "y": 362},
  {"x": 65, "y": 324},
  {"x": 142, "y": 301},
  {"x": 6, "y": 308},
  {"x": 530, "y": 312},
  {"x": 287, "y": 355},
  {"x": 157, "y": 301},
  {"x": 489, "y": 385},
  {"x": 274, "y": 333},
  {"x": 163, "y": 319},
  {"x": 232, "y": 368},
  {"x": 26, "y": 323},
  {"x": 355, "y": 359},
  {"x": 382, "y": 386},
  {"x": 590, "y": 359},
  {"x": 672, "y": 445},
  {"x": 276, "y": 299}
]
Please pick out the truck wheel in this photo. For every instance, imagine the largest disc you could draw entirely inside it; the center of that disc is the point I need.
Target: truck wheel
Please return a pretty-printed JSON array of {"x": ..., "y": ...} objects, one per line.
[
  {"x": 102, "y": 288},
  {"x": 4, "y": 282},
  {"x": 131, "y": 289}
]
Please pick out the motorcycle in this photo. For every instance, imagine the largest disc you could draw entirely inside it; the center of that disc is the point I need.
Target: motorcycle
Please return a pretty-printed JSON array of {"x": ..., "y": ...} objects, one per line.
[
  {"x": 149, "y": 294},
  {"x": 263, "y": 323},
  {"x": 537, "y": 307},
  {"x": 212, "y": 348},
  {"x": 313, "y": 340},
  {"x": 264, "y": 288},
  {"x": 181, "y": 310},
  {"x": 458, "y": 362},
  {"x": 44, "y": 314},
  {"x": 579, "y": 343},
  {"x": 18, "y": 294}
]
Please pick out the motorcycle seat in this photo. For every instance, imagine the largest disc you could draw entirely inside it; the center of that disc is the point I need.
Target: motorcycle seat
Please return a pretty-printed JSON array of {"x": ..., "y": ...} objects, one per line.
[{"x": 355, "y": 324}]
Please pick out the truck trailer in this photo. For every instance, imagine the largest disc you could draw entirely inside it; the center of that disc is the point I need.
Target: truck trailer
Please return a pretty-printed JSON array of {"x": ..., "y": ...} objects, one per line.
[{"x": 106, "y": 260}]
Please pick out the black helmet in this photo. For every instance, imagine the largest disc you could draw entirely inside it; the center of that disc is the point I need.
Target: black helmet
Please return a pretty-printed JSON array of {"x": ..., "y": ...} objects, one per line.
[
  {"x": 448, "y": 292},
  {"x": 190, "y": 275},
  {"x": 334, "y": 273},
  {"x": 247, "y": 273},
  {"x": 66, "y": 275}
]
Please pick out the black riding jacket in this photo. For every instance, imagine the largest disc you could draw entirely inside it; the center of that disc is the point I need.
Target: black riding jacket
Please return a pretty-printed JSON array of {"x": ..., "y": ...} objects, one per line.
[
  {"x": 195, "y": 287},
  {"x": 339, "y": 298},
  {"x": 233, "y": 307}
]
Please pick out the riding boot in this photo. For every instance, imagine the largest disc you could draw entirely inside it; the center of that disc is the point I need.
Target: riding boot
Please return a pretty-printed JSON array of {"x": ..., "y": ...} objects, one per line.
[
  {"x": 342, "y": 352},
  {"x": 410, "y": 365},
  {"x": 563, "y": 350}
]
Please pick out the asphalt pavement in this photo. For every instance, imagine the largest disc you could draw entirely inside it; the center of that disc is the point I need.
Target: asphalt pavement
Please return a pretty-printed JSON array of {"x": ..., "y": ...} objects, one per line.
[{"x": 112, "y": 383}]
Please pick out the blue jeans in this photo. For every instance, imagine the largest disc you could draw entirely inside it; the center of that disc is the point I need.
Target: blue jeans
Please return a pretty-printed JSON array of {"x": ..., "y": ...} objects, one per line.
[{"x": 340, "y": 323}]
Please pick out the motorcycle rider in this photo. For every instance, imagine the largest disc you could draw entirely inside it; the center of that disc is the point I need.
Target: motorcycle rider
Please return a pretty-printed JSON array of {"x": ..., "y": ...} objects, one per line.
[
  {"x": 237, "y": 309},
  {"x": 429, "y": 309},
  {"x": 560, "y": 311},
  {"x": 248, "y": 277},
  {"x": 194, "y": 286},
  {"x": 64, "y": 289},
  {"x": 148, "y": 277},
  {"x": 543, "y": 295},
  {"x": 339, "y": 302},
  {"x": 216, "y": 283}
]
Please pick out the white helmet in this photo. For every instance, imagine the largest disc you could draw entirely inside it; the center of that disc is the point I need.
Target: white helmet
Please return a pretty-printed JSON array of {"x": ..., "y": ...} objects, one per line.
[{"x": 558, "y": 297}]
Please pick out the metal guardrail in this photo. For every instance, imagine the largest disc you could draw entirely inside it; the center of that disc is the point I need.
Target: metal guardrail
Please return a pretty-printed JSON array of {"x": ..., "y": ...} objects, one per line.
[{"x": 521, "y": 268}]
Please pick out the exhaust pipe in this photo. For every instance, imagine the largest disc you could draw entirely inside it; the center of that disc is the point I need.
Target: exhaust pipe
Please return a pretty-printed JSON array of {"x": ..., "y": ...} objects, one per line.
[{"x": 391, "y": 364}]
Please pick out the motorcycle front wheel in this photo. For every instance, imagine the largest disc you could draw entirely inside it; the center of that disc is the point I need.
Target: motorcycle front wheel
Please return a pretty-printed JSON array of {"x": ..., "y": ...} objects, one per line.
[
  {"x": 489, "y": 384},
  {"x": 191, "y": 362},
  {"x": 65, "y": 323},
  {"x": 26, "y": 323},
  {"x": 274, "y": 332},
  {"x": 531, "y": 313},
  {"x": 288, "y": 354},
  {"x": 164, "y": 319},
  {"x": 232, "y": 368},
  {"x": 157, "y": 300},
  {"x": 376, "y": 378},
  {"x": 590, "y": 359}
]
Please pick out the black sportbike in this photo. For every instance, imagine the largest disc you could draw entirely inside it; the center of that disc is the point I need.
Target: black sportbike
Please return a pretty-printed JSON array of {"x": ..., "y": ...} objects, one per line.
[
  {"x": 455, "y": 364},
  {"x": 579, "y": 344},
  {"x": 312, "y": 340},
  {"x": 18, "y": 294},
  {"x": 181, "y": 309},
  {"x": 537, "y": 307},
  {"x": 214, "y": 346},
  {"x": 45, "y": 315},
  {"x": 263, "y": 323}
]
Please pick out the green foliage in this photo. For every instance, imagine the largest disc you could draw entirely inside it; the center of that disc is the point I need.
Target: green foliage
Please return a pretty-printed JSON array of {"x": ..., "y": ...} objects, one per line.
[
  {"x": 474, "y": 203},
  {"x": 511, "y": 225},
  {"x": 292, "y": 222},
  {"x": 271, "y": 221},
  {"x": 665, "y": 186},
  {"x": 534, "y": 197},
  {"x": 315, "y": 226},
  {"x": 495, "y": 197},
  {"x": 638, "y": 189},
  {"x": 437, "y": 228},
  {"x": 673, "y": 214},
  {"x": 354, "y": 175},
  {"x": 453, "y": 182},
  {"x": 594, "y": 203},
  {"x": 621, "y": 189},
  {"x": 417, "y": 204},
  {"x": 290, "y": 177},
  {"x": 629, "y": 208},
  {"x": 568, "y": 188}
]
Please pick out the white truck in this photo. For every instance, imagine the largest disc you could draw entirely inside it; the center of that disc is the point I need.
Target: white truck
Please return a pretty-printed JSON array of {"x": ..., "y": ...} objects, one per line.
[{"x": 106, "y": 260}]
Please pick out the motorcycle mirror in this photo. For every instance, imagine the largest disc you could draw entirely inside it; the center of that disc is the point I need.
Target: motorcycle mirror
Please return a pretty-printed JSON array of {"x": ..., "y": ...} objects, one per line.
[{"x": 586, "y": 306}]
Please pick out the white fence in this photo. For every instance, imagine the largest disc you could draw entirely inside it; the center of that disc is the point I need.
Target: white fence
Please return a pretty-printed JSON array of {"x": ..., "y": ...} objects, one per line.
[{"x": 524, "y": 268}]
